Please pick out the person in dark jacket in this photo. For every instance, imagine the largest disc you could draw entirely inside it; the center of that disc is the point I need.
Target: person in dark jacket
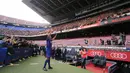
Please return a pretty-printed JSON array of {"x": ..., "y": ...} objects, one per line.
[
  {"x": 10, "y": 52},
  {"x": 64, "y": 54}
]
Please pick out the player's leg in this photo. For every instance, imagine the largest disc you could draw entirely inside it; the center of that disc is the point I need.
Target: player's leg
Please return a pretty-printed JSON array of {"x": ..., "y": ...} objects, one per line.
[
  {"x": 46, "y": 61},
  {"x": 49, "y": 66},
  {"x": 84, "y": 63}
]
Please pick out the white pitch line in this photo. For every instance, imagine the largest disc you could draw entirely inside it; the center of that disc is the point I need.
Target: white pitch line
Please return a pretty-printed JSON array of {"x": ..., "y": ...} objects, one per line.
[{"x": 34, "y": 63}]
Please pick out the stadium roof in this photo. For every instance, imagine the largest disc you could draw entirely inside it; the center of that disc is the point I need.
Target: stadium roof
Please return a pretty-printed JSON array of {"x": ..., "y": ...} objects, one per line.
[
  {"x": 15, "y": 11},
  {"x": 55, "y": 10}
]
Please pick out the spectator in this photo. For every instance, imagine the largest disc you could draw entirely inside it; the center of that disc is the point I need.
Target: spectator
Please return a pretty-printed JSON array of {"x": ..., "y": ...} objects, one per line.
[
  {"x": 83, "y": 53},
  {"x": 64, "y": 54},
  {"x": 120, "y": 40},
  {"x": 10, "y": 52},
  {"x": 114, "y": 40},
  {"x": 102, "y": 42}
]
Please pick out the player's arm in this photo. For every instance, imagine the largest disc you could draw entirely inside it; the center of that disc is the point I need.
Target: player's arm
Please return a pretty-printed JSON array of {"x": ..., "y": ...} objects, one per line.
[
  {"x": 48, "y": 33},
  {"x": 54, "y": 37}
]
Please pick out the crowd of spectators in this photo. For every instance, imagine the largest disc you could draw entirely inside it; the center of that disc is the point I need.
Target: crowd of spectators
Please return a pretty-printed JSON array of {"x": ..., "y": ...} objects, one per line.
[
  {"x": 91, "y": 20},
  {"x": 13, "y": 43},
  {"x": 72, "y": 25},
  {"x": 17, "y": 21},
  {"x": 121, "y": 40},
  {"x": 5, "y": 30},
  {"x": 16, "y": 42}
]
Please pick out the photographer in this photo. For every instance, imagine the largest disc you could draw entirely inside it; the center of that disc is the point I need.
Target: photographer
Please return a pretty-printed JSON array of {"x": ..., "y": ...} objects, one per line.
[{"x": 83, "y": 53}]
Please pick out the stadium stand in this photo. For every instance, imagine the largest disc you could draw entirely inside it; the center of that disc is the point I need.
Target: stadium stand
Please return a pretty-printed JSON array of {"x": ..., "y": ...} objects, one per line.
[
  {"x": 17, "y": 21},
  {"x": 18, "y": 30},
  {"x": 105, "y": 37},
  {"x": 92, "y": 20},
  {"x": 75, "y": 25}
]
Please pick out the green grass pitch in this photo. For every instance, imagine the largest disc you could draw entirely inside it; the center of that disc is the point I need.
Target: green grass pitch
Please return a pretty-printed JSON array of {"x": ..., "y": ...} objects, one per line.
[{"x": 35, "y": 65}]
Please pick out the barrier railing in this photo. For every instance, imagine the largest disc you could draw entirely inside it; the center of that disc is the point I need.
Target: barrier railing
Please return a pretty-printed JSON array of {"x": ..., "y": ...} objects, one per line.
[{"x": 19, "y": 54}]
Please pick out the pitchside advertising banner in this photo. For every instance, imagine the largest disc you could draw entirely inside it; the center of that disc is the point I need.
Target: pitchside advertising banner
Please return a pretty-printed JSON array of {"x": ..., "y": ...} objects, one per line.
[
  {"x": 115, "y": 55},
  {"x": 112, "y": 55},
  {"x": 92, "y": 53}
]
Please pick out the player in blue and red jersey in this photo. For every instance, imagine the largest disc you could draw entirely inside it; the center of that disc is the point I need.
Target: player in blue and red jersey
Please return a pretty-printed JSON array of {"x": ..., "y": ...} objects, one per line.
[{"x": 48, "y": 50}]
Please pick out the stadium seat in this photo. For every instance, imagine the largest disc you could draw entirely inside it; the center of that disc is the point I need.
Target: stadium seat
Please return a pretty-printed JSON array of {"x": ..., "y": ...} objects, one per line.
[
  {"x": 71, "y": 55},
  {"x": 96, "y": 60},
  {"x": 102, "y": 61}
]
